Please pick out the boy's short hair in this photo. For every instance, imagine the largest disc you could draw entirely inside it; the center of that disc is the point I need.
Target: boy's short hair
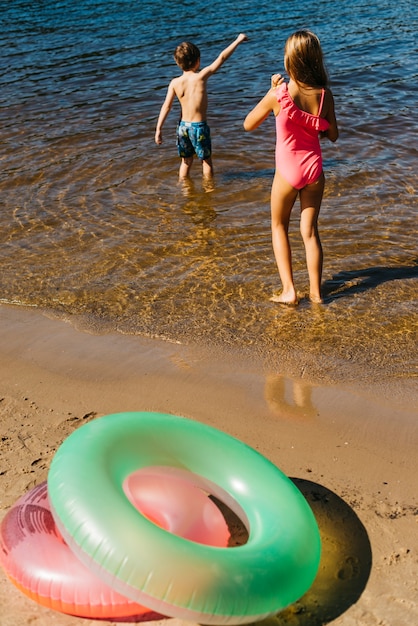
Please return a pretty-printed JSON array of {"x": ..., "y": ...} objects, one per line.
[{"x": 186, "y": 55}]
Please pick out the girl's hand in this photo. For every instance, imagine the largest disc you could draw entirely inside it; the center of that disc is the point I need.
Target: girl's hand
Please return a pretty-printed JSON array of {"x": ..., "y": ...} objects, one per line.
[{"x": 276, "y": 80}]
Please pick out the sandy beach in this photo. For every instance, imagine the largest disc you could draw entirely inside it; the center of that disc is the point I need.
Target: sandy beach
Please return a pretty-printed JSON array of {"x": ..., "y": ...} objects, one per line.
[{"x": 352, "y": 451}]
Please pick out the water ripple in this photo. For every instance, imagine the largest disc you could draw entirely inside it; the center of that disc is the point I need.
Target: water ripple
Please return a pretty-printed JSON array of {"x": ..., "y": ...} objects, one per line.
[{"x": 94, "y": 224}]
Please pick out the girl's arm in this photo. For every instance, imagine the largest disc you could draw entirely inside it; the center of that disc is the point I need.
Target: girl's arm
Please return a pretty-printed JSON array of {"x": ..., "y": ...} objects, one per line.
[
  {"x": 262, "y": 110},
  {"x": 268, "y": 104},
  {"x": 332, "y": 132}
]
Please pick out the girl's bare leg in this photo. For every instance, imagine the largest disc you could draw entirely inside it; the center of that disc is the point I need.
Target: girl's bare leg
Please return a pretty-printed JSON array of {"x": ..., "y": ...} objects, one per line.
[
  {"x": 283, "y": 197},
  {"x": 310, "y": 204}
]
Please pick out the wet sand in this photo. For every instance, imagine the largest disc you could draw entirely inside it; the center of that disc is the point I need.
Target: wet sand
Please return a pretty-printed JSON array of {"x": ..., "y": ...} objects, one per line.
[{"x": 351, "y": 450}]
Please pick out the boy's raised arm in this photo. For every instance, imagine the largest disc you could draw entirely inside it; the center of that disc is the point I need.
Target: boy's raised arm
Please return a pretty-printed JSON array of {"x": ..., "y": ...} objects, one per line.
[{"x": 225, "y": 54}]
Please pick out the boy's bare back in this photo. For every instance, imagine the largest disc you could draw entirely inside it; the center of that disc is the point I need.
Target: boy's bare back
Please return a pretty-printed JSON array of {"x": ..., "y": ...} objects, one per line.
[{"x": 190, "y": 89}]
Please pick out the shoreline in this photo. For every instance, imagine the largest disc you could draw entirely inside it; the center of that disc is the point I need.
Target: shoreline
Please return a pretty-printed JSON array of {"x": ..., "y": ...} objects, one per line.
[{"x": 354, "y": 447}]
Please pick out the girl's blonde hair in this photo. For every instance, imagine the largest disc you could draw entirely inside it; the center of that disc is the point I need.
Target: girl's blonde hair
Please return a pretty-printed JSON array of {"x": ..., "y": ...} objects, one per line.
[{"x": 303, "y": 59}]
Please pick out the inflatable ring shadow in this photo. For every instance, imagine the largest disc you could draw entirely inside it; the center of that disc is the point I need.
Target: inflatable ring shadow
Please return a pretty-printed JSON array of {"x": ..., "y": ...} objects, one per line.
[
  {"x": 290, "y": 398},
  {"x": 344, "y": 568},
  {"x": 345, "y": 565}
]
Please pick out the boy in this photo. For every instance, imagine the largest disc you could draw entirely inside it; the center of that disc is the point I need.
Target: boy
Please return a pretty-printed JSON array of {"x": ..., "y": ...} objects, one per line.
[{"x": 193, "y": 134}]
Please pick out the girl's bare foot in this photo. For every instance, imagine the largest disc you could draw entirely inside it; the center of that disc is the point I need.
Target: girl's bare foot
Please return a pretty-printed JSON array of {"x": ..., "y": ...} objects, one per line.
[
  {"x": 315, "y": 299},
  {"x": 282, "y": 299}
]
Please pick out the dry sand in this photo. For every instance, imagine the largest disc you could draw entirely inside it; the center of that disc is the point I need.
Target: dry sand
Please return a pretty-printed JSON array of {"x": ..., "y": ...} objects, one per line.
[{"x": 351, "y": 451}]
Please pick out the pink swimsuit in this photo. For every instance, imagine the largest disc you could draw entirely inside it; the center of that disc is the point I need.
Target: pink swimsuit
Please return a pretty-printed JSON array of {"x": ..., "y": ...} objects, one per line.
[{"x": 298, "y": 152}]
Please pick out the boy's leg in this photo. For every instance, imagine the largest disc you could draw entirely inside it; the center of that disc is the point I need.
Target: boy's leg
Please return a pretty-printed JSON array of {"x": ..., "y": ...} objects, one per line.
[
  {"x": 310, "y": 204},
  {"x": 185, "y": 166},
  {"x": 207, "y": 167},
  {"x": 185, "y": 150},
  {"x": 202, "y": 145}
]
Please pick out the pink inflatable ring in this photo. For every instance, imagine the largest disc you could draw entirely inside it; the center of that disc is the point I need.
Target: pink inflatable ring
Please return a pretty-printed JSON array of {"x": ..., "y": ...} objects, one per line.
[{"x": 40, "y": 563}]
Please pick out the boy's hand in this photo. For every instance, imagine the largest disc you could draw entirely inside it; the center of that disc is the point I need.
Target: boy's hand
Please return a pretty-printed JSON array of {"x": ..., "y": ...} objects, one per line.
[
  {"x": 158, "y": 137},
  {"x": 242, "y": 37},
  {"x": 276, "y": 80}
]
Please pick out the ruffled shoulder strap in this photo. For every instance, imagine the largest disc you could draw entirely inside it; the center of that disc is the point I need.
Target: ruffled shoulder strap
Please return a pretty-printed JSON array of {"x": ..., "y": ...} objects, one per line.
[
  {"x": 303, "y": 118},
  {"x": 322, "y": 101}
]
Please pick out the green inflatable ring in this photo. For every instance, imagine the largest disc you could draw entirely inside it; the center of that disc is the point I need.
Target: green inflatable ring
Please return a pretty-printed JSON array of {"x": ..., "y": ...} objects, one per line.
[{"x": 165, "y": 572}]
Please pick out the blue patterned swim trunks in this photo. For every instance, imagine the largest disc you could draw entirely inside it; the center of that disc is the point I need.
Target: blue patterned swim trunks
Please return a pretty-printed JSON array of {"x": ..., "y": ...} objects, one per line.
[{"x": 194, "y": 138}]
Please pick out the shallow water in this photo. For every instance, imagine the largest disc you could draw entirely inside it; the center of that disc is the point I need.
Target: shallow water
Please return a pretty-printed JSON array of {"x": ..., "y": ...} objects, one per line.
[{"x": 96, "y": 228}]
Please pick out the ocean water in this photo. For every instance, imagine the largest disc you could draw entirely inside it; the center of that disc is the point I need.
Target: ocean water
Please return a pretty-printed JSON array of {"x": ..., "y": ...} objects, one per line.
[{"x": 96, "y": 229}]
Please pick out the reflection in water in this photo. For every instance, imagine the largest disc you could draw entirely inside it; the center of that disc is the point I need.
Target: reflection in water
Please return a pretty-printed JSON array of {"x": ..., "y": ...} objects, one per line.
[
  {"x": 289, "y": 398},
  {"x": 189, "y": 187},
  {"x": 197, "y": 206}
]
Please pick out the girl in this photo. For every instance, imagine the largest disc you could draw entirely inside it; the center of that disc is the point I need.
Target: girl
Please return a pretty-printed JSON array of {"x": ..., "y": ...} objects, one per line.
[{"x": 304, "y": 111}]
